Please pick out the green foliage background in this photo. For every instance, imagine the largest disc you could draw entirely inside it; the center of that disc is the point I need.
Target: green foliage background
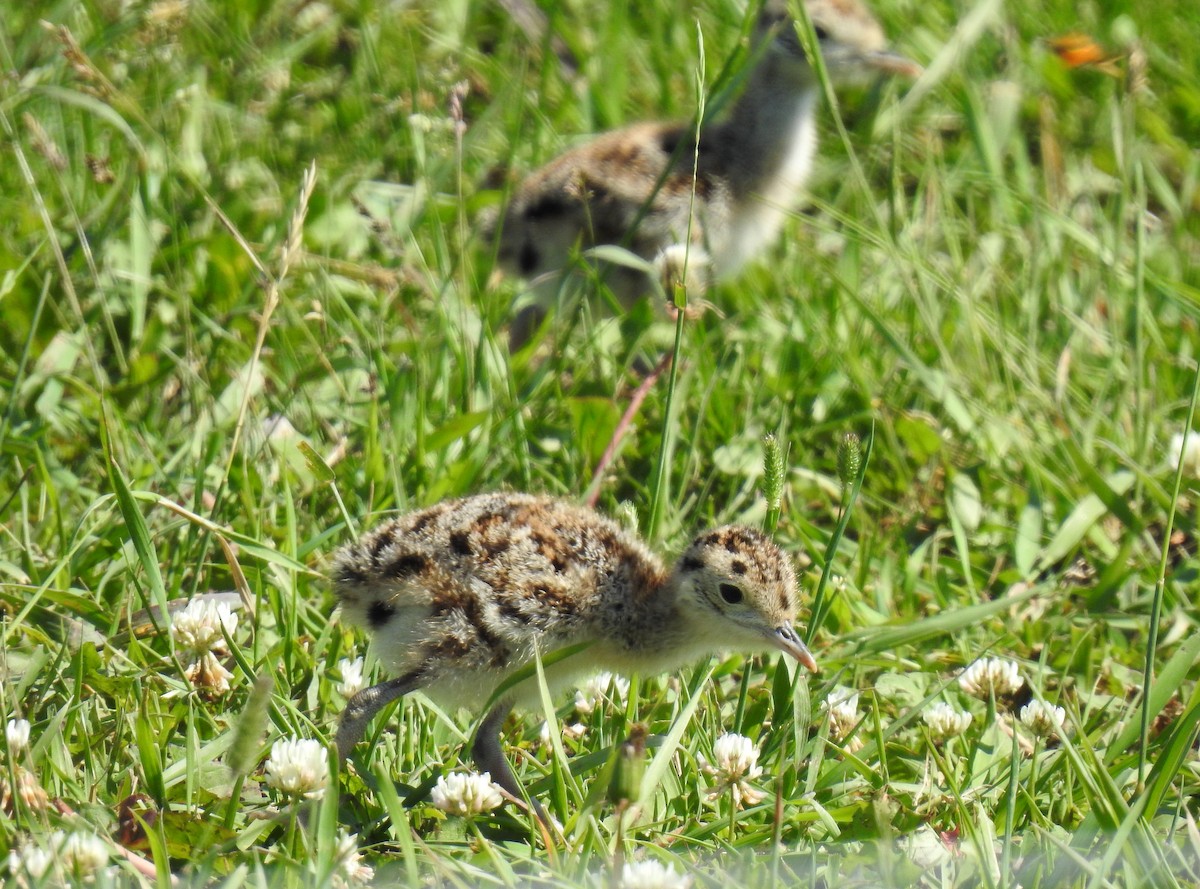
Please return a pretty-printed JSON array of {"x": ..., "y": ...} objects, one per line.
[{"x": 996, "y": 277}]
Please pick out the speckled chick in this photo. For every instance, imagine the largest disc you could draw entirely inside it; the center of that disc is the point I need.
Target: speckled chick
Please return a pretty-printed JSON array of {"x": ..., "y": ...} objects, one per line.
[
  {"x": 460, "y": 595},
  {"x": 634, "y": 187}
]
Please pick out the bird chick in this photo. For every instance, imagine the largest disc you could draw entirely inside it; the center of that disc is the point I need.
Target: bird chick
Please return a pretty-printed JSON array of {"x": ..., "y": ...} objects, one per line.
[
  {"x": 652, "y": 187},
  {"x": 461, "y": 595}
]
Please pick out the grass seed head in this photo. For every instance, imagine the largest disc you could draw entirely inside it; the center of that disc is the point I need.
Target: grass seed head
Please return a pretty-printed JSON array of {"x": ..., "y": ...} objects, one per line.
[{"x": 849, "y": 459}]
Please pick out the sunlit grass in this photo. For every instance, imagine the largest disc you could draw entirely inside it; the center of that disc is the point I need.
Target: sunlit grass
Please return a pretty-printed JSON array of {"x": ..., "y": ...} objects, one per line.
[{"x": 995, "y": 282}]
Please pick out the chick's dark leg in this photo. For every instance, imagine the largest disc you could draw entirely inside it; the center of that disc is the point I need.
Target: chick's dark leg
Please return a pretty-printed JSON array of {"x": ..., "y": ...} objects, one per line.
[
  {"x": 527, "y": 322},
  {"x": 489, "y": 756},
  {"x": 364, "y": 705}
]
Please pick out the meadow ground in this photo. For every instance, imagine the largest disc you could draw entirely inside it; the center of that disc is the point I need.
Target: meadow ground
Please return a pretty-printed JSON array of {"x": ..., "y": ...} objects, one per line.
[{"x": 215, "y": 368}]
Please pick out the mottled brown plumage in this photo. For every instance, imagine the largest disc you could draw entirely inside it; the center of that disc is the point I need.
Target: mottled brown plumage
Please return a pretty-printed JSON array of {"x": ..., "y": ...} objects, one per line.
[{"x": 462, "y": 594}]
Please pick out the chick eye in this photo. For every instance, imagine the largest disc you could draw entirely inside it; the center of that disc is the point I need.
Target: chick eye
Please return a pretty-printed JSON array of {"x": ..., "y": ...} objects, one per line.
[{"x": 730, "y": 593}]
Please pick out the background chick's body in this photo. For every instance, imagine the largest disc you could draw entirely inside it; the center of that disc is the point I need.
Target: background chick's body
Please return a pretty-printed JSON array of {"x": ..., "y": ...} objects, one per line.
[{"x": 654, "y": 189}]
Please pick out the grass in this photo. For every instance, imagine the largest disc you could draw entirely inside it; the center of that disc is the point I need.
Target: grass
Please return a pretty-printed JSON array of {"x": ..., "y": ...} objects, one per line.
[{"x": 215, "y": 370}]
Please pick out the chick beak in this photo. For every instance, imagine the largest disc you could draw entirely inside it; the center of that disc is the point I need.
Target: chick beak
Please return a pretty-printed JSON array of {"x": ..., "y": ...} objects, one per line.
[
  {"x": 785, "y": 639},
  {"x": 889, "y": 62}
]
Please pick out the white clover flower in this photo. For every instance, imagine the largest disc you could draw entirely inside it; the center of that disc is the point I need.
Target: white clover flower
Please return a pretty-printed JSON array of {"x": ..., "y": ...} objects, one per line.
[
  {"x": 944, "y": 721},
  {"x": 596, "y": 689},
  {"x": 651, "y": 874},
  {"x": 926, "y": 848},
  {"x": 990, "y": 676},
  {"x": 298, "y": 767},
  {"x": 352, "y": 677},
  {"x": 574, "y": 732},
  {"x": 737, "y": 756},
  {"x": 351, "y": 870},
  {"x": 33, "y": 862},
  {"x": 684, "y": 266},
  {"x": 842, "y": 705},
  {"x": 200, "y": 640},
  {"x": 83, "y": 855},
  {"x": 275, "y": 80},
  {"x": 16, "y": 732},
  {"x": 735, "y": 767},
  {"x": 1043, "y": 719},
  {"x": 198, "y": 628},
  {"x": 311, "y": 17},
  {"x": 466, "y": 794},
  {"x": 1185, "y": 449}
]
